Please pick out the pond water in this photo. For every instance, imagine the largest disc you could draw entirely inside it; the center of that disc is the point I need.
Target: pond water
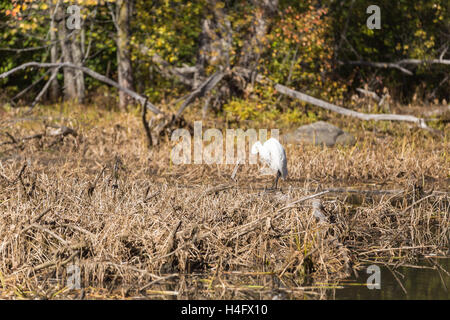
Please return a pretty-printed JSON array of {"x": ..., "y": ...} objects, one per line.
[{"x": 418, "y": 283}]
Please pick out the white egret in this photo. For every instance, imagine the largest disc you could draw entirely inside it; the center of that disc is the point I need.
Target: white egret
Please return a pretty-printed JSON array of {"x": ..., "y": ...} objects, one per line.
[{"x": 272, "y": 152}]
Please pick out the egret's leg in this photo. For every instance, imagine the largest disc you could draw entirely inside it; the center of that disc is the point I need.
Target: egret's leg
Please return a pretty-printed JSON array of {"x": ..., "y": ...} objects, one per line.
[{"x": 276, "y": 179}]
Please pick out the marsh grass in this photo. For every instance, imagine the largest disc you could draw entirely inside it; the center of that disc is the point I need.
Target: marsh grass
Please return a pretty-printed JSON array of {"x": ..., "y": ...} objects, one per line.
[{"x": 138, "y": 226}]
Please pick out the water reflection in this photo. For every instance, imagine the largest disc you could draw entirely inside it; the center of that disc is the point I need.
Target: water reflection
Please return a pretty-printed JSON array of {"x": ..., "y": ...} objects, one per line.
[{"x": 419, "y": 283}]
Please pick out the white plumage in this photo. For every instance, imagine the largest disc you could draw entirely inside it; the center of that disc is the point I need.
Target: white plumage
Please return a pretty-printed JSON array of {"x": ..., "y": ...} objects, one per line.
[{"x": 272, "y": 152}]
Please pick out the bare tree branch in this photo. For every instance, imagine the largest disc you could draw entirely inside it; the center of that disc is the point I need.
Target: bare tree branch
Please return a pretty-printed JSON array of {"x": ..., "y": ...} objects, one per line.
[
  {"x": 418, "y": 61},
  {"x": 384, "y": 65},
  {"x": 169, "y": 71},
  {"x": 206, "y": 86},
  {"x": 347, "y": 112},
  {"x": 89, "y": 72},
  {"x": 398, "y": 64},
  {"x": 45, "y": 88},
  {"x": 21, "y": 93},
  {"x": 19, "y": 50}
]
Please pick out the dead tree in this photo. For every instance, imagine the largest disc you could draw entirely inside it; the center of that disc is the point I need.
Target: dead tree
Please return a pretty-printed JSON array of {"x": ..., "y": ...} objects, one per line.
[
  {"x": 74, "y": 88},
  {"x": 121, "y": 19},
  {"x": 54, "y": 86}
]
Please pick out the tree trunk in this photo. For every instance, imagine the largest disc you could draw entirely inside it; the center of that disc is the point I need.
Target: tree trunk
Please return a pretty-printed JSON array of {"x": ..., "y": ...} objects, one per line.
[
  {"x": 125, "y": 71},
  {"x": 54, "y": 86},
  {"x": 77, "y": 60},
  {"x": 253, "y": 47},
  {"x": 70, "y": 91},
  {"x": 215, "y": 41}
]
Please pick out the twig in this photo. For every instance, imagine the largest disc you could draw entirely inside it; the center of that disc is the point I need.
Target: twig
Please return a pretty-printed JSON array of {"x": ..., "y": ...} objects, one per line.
[
  {"x": 418, "y": 201},
  {"x": 28, "y": 227},
  {"x": 236, "y": 167},
  {"x": 170, "y": 246},
  {"x": 251, "y": 225},
  {"x": 54, "y": 235},
  {"x": 78, "y": 229},
  {"x": 94, "y": 184},
  {"x": 395, "y": 264},
  {"x": 396, "y": 278},
  {"x": 393, "y": 249},
  {"x": 19, "y": 176},
  {"x": 151, "y": 196},
  {"x": 11, "y": 137},
  {"x": 19, "y": 50},
  {"x": 53, "y": 263},
  {"x": 374, "y": 192},
  {"x": 291, "y": 205},
  {"x": 158, "y": 280},
  {"x": 384, "y": 65}
]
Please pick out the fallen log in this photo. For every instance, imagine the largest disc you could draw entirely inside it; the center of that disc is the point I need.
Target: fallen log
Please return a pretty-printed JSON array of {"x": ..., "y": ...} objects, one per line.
[{"x": 332, "y": 107}]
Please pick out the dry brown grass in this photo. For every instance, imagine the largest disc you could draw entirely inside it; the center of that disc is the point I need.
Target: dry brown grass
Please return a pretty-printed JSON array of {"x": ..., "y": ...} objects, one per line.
[{"x": 140, "y": 227}]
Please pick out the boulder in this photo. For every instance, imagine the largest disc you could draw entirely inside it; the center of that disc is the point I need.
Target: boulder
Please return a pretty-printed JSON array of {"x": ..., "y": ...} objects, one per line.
[{"x": 319, "y": 133}]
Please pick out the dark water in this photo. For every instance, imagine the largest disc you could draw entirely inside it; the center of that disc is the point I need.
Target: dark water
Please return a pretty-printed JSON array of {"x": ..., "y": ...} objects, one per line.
[{"x": 425, "y": 284}]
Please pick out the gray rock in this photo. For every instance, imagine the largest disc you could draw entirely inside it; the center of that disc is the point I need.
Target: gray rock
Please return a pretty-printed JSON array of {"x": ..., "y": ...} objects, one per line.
[{"x": 319, "y": 133}]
